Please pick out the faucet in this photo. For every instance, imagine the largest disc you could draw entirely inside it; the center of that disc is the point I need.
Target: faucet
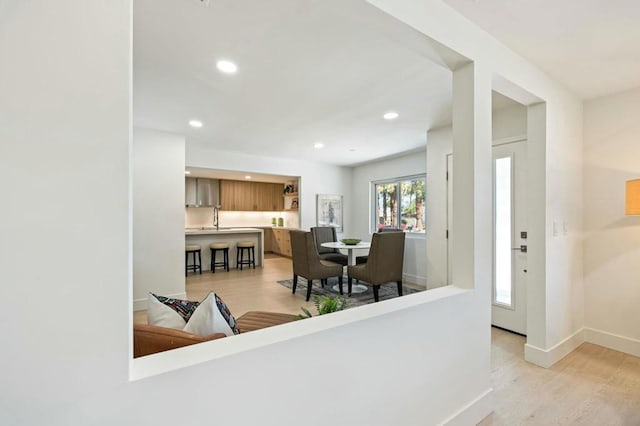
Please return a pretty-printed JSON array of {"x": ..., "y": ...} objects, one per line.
[{"x": 216, "y": 221}]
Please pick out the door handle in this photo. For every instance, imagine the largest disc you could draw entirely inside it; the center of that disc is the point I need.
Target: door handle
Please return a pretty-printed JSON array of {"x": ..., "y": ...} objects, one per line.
[{"x": 522, "y": 248}]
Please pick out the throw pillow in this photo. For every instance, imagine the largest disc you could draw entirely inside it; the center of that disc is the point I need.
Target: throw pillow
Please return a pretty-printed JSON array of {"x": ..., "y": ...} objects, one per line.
[
  {"x": 168, "y": 312},
  {"x": 203, "y": 318},
  {"x": 212, "y": 316}
]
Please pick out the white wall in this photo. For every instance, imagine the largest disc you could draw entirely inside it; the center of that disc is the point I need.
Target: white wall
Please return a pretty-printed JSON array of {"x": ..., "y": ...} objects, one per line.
[
  {"x": 158, "y": 221},
  {"x": 439, "y": 145},
  {"x": 68, "y": 129},
  {"x": 559, "y": 287},
  {"x": 407, "y": 165},
  {"x": 315, "y": 178},
  {"x": 64, "y": 132},
  {"x": 611, "y": 240},
  {"x": 507, "y": 123}
]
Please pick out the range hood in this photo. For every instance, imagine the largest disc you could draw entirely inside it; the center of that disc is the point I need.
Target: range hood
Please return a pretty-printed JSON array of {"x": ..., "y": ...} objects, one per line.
[{"x": 201, "y": 192}]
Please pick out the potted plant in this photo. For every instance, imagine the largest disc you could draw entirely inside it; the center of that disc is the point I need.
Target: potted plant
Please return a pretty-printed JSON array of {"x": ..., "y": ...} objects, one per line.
[{"x": 324, "y": 305}]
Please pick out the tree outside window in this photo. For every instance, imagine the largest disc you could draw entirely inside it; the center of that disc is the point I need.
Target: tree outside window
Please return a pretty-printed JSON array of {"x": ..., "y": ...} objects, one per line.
[{"x": 399, "y": 203}]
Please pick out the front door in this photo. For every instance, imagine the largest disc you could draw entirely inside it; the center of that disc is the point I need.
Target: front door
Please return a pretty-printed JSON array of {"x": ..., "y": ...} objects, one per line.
[
  {"x": 508, "y": 294},
  {"x": 509, "y": 237}
]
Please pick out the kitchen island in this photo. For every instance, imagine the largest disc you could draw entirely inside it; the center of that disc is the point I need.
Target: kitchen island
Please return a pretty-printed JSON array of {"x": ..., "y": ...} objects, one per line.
[{"x": 207, "y": 235}]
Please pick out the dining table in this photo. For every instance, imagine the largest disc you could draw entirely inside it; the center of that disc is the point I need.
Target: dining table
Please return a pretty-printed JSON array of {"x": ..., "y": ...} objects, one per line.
[{"x": 351, "y": 260}]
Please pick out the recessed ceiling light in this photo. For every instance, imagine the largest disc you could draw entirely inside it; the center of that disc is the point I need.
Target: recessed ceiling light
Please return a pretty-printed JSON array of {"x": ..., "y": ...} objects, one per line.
[
  {"x": 195, "y": 123},
  {"x": 391, "y": 115},
  {"x": 247, "y": 177},
  {"x": 187, "y": 172},
  {"x": 318, "y": 145},
  {"x": 227, "y": 67}
]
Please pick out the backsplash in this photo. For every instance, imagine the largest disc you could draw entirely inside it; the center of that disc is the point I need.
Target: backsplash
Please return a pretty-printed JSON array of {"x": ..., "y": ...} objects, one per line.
[{"x": 202, "y": 216}]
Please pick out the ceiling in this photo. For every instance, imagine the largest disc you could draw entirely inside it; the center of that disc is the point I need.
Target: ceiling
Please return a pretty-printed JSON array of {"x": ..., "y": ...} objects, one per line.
[
  {"x": 327, "y": 70},
  {"x": 590, "y": 46},
  {"x": 308, "y": 71}
]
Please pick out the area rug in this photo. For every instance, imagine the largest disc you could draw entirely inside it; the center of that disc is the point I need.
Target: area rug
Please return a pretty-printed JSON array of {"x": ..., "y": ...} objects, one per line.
[{"x": 387, "y": 291}]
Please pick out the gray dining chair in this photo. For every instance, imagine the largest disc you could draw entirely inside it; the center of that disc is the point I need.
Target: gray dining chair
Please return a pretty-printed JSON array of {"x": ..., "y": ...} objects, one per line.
[
  {"x": 363, "y": 259},
  {"x": 386, "y": 258},
  {"x": 308, "y": 264},
  {"x": 327, "y": 234}
]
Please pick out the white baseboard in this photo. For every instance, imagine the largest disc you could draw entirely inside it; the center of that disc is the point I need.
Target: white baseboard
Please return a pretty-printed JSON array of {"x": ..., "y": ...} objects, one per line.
[
  {"x": 547, "y": 357},
  {"x": 415, "y": 279},
  {"x": 141, "y": 304},
  {"x": 474, "y": 411},
  {"x": 613, "y": 341}
]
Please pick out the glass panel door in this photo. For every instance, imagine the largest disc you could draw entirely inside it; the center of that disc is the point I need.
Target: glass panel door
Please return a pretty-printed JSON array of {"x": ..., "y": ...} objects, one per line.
[{"x": 503, "y": 229}]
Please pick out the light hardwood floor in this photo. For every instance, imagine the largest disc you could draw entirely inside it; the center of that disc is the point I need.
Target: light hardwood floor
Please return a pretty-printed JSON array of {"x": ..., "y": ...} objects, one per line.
[
  {"x": 591, "y": 386},
  {"x": 251, "y": 289}
]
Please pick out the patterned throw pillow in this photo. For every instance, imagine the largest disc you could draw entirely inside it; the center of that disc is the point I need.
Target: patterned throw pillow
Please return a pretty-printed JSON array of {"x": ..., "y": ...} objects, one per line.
[
  {"x": 184, "y": 308},
  {"x": 203, "y": 318},
  {"x": 226, "y": 314},
  {"x": 212, "y": 316},
  {"x": 168, "y": 315}
]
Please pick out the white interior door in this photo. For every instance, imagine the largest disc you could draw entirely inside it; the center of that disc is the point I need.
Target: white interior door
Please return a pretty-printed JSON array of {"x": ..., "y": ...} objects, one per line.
[
  {"x": 509, "y": 237},
  {"x": 509, "y": 223}
]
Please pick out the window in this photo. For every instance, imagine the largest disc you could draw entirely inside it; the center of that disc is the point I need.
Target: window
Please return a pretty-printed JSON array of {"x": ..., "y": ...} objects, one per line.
[{"x": 399, "y": 203}]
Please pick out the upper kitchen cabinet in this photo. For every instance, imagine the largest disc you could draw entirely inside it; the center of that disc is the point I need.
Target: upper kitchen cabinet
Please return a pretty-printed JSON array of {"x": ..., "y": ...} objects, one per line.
[
  {"x": 251, "y": 196},
  {"x": 269, "y": 196},
  {"x": 200, "y": 192}
]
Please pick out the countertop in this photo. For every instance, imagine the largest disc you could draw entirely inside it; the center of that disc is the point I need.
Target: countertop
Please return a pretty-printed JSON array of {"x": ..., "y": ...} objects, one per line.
[
  {"x": 286, "y": 228},
  {"x": 213, "y": 231},
  {"x": 209, "y": 230}
]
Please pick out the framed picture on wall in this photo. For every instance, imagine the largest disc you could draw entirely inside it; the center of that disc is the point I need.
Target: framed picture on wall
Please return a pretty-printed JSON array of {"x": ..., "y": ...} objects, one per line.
[{"x": 329, "y": 211}]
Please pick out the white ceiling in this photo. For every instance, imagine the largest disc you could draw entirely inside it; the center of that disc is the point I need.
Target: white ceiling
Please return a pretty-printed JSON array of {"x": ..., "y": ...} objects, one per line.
[
  {"x": 309, "y": 71},
  {"x": 591, "y": 46},
  {"x": 326, "y": 70}
]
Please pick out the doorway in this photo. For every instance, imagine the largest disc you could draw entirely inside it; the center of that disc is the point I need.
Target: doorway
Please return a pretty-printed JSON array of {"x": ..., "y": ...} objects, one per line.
[
  {"x": 508, "y": 295},
  {"x": 509, "y": 260}
]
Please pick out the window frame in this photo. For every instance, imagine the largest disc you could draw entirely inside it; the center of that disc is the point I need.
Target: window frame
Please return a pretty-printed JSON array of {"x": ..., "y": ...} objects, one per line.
[{"x": 373, "y": 204}]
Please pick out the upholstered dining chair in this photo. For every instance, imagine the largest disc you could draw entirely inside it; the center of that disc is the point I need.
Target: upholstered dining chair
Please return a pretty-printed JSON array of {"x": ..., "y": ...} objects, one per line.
[
  {"x": 363, "y": 259},
  {"x": 386, "y": 257},
  {"x": 308, "y": 264},
  {"x": 327, "y": 234}
]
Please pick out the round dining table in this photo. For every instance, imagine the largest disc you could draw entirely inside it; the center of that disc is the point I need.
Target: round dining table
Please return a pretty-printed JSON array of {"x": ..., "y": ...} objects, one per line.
[{"x": 362, "y": 245}]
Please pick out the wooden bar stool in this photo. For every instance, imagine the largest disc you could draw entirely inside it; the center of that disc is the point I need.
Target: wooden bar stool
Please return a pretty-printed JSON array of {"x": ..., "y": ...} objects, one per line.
[
  {"x": 194, "y": 249},
  {"x": 247, "y": 246},
  {"x": 215, "y": 248}
]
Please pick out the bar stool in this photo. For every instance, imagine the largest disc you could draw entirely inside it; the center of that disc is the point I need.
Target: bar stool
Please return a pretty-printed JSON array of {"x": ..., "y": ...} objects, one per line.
[
  {"x": 197, "y": 262},
  {"x": 249, "y": 247},
  {"x": 224, "y": 248}
]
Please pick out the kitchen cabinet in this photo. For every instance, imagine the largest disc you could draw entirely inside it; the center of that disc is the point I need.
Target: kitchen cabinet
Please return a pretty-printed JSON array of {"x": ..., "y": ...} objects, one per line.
[
  {"x": 244, "y": 196},
  {"x": 271, "y": 197},
  {"x": 227, "y": 194},
  {"x": 281, "y": 243},
  {"x": 251, "y": 196},
  {"x": 268, "y": 239}
]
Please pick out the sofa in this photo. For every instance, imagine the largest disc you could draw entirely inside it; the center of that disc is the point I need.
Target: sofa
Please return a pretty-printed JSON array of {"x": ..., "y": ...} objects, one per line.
[{"x": 151, "y": 339}]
